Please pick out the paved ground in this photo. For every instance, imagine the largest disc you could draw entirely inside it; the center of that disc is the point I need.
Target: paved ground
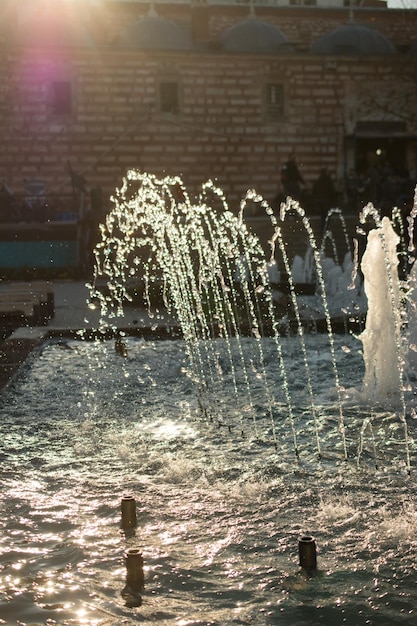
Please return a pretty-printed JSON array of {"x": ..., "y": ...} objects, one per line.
[{"x": 73, "y": 313}]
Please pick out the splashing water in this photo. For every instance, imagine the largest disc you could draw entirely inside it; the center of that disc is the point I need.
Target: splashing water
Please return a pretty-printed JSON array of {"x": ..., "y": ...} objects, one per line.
[
  {"x": 218, "y": 515},
  {"x": 382, "y": 337},
  {"x": 212, "y": 275}
]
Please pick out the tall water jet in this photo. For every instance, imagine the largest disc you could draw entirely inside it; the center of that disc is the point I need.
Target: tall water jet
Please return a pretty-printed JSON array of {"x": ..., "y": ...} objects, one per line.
[
  {"x": 381, "y": 339},
  {"x": 412, "y": 322},
  {"x": 412, "y": 291},
  {"x": 384, "y": 342}
]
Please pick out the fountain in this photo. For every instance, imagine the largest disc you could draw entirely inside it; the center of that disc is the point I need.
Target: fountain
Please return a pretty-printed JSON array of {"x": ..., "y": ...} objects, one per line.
[
  {"x": 216, "y": 278},
  {"x": 242, "y": 433}
]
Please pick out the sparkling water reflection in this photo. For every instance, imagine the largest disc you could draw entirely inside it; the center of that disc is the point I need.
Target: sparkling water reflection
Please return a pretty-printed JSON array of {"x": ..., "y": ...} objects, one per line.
[{"x": 219, "y": 512}]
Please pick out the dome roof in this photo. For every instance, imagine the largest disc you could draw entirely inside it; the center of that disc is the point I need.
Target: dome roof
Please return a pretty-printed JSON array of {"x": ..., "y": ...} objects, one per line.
[
  {"x": 157, "y": 33},
  {"x": 353, "y": 39},
  {"x": 254, "y": 35}
]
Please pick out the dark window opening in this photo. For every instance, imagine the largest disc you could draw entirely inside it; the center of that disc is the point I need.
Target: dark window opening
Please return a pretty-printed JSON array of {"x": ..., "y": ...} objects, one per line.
[
  {"x": 303, "y": 2},
  {"x": 274, "y": 100},
  {"x": 61, "y": 98},
  {"x": 388, "y": 153},
  {"x": 169, "y": 97}
]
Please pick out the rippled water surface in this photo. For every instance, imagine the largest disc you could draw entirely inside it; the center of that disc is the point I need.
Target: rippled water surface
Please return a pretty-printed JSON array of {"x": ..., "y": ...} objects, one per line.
[{"x": 221, "y": 504}]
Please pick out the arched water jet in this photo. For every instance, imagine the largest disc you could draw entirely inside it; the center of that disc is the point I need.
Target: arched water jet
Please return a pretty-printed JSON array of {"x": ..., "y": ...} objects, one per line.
[
  {"x": 285, "y": 208},
  {"x": 398, "y": 225},
  {"x": 196, "y": 254},
  {"x": 328, "y": 237},
  {"x": 411, "y": 224},
  {"x": 252, "y": 195},
  {"x": 411, "y": 304},
  {"x": 328, "y": 233}
]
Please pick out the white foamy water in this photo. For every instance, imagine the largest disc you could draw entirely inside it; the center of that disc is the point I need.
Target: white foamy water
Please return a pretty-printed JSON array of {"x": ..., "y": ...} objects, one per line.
[{"x": 220, "y": 510}]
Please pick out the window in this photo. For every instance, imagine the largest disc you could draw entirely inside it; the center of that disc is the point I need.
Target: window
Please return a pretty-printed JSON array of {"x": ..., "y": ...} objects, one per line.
[
  {"x": 275, "y": 100},
  {"x": 305, "y": 3},
  {"x": 61, "y": 98},
  {"x": 169, "y": 97}
]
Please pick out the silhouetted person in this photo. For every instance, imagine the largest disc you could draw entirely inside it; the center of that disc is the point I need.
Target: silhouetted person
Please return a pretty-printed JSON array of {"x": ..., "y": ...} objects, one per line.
[
  {"x": 93, "y": 216},
  {"x": 324, "y": 193},
  {"x": 351, "y": 188},
  {"x": 8, "y": 205},
  {"x": 291, "y": 178}
]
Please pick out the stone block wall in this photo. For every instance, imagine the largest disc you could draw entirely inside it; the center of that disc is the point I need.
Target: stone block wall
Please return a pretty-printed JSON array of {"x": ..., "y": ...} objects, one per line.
[{"x": 221, "y": 131}]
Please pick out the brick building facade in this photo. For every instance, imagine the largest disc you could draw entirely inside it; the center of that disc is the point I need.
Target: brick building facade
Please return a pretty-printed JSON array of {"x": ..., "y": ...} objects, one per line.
[{"x": 74, "y": 90}]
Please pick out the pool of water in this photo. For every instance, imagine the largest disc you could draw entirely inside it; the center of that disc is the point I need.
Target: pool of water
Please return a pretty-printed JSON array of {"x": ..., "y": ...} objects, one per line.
[{"x": 221, "y": 502}]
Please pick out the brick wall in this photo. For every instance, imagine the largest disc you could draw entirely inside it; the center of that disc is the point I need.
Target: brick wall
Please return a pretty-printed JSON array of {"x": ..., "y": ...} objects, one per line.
[{"x": 222, "y": 131}]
